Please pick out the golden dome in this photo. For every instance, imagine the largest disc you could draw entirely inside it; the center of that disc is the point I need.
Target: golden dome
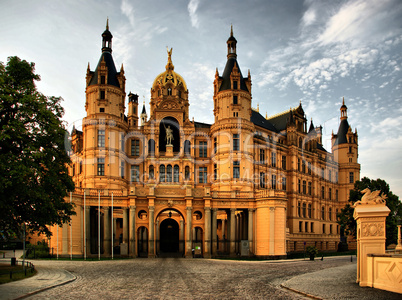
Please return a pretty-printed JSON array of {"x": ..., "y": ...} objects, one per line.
[{"x": 169, "y": 76}]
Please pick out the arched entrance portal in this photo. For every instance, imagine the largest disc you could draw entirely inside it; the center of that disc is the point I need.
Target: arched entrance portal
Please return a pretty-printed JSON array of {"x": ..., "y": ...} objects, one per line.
[{"x": 169, "y": 238}]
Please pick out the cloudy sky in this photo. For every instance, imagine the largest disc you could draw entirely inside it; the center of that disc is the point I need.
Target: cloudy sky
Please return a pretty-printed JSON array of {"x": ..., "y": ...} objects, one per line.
[{"x": 315, "y": 52}]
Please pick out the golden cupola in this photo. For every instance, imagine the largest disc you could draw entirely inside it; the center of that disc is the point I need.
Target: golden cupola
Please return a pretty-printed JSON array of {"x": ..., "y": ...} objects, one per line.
[{"x": 169, "y": 90}]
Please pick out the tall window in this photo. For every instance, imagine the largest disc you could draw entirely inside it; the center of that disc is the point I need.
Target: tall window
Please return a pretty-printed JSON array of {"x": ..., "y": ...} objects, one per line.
[
  {"x": 322, "y": 172},
  {"x": 135, "y": 147},
  {"x": 202, "y": 175},
  {"x": 330, "y": 193},
  {"x": 298, "y": 164},
  {"x": 176, "y": 173},
  {"x": 309, "y": 168},
  {"x": 203, "y": 149},
  {"x": 235, "y": 85},
  {"x": 304, "y": 210},
  {"x": 169, "y": 173},
  {"x": 306, "y": 227},
  {"x": 273, "y": 159},
  {"x": 304, "y": 187},
  {"x": 236, "y": 169},
  {"x": 336, "y": 195},
  {"x": 262, "y": 156},
  {"x": 151, "y": 172},
  {"x": 236, "y": 143},
  {"x": 351, "y": 177},
  {"x": 162, "y": 173},
  {"x": 187, "y": 172},
  {"x": 284, "y": 183},
  {"x": 187, "y": 147},
  {"x": 322, "y": 192},
  {"x": 122, "y": 140},
  {"x": 284, "y": 162},
  {"x": 101, "y": 138},
  {"x": 101, "y": 166},
  {"x": 215, "y": 145},
  {"x": 309, "y": 210},
  {"x": 299, "y": 209},
  {"x": 122, "y": 169},
  {"x": 135, "y": 173},
  {"x": 273, "y": 182},
  {"x": 151, "y": 147},
  {"x": 102, "y": 95},
  {"x": 235, "y": 99},
  {"x": 303, "y": 166},
  {"x": 215, "y": 172},
  {"x": 299, "y": 185},
  {"x": 323, "y": 213},
  {"x": 262, "y": 180},
  {"x": 312, "y": 227},
  {"x": 309, "y": 188},
  {"x": 330, "y": 214}
]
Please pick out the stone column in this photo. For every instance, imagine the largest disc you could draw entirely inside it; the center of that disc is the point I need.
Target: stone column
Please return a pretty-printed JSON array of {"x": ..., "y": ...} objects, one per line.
[
  {"x": 207, "y": 232},
  {"x": 370, "y": 218},
  {"x": 181, "y": 237},
  {"x": 214, "y": 231},
  {"x": 125, "y": 225},
  {"x": 272, "y": 231},
  {"x": 250, "y": 230},
  {"x": 106, "y": 231},
  {"x": 64, "y": 239},
  {"x": 157, "y": 236},
  {"x": 87, "y": 235},
  {"x": 132, "y": 230},
  {"x": 151, "y": 247},
  {"x": 189, "y": 253},
  {"x": 232, "y": 235}
]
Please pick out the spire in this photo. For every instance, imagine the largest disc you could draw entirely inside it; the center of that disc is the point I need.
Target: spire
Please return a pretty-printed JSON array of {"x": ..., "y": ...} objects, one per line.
[
  {"x": 231, "y": 42},
  {"x": 311, "y": 126},
  {"x": 107, "y": 39},
  {"x": 344, "y": 109}
]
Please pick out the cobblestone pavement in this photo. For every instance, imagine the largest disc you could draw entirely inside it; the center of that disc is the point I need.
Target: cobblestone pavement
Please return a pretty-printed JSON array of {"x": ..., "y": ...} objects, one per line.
[{"x": 176, "y": 278}]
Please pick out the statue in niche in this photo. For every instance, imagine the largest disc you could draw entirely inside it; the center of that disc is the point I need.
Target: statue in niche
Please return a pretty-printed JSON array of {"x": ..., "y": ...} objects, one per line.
[{"x": 169, "y": 135}]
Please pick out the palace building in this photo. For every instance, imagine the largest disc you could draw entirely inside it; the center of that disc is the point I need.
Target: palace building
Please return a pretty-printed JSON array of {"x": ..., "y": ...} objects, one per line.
[{"x": 157, "y": 183}]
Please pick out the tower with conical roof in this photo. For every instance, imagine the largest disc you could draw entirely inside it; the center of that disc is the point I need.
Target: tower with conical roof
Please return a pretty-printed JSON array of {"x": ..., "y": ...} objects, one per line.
[
  {"x": 345, "y": 150},
  {"x": 105, "y": 122},
  {"x": 232, "y": 111}
]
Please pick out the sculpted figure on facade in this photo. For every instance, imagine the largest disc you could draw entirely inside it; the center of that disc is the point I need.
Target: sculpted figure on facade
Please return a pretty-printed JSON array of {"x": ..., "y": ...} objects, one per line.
[{"x": 370, "y": 197}]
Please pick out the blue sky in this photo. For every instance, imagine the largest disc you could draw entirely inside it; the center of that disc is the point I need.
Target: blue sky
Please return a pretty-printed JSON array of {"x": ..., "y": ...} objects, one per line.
[{"x": 315, "y": 52}]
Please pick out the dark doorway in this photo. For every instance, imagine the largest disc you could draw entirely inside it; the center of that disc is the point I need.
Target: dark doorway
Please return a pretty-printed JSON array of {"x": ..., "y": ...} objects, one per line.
[{"x": 169, "y": 236}]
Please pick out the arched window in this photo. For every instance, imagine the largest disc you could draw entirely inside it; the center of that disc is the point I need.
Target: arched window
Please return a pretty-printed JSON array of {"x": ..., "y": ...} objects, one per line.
[
  {"x": 176, "y": 173},
  {"x": 162, "y": 173},
  {"x": 169, "y": 173},
  {"x": 151, "y": 147},
  {"x": 187, "y": 147},
  {"x": 330, "y": 214},
  {"x": 151, "y": 172},
  {"x": 309, "y": 210},
  {"x": 299, "y": 209},
  {"x": 304, "y": 210},
  {"x": 187, "y": 172}
]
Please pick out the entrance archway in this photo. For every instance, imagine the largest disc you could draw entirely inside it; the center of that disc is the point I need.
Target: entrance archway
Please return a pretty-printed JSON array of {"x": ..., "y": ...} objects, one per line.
[
  {"x": 142, "y": 241},
  {"x": 169, "y": 237}
]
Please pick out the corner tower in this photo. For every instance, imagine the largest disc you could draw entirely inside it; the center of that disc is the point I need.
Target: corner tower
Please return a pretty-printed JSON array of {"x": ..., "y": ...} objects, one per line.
[
  {"x": 105, "y": 124},
  {"x": 232, "y": 130},
  {"x": 345, "y": 150}
]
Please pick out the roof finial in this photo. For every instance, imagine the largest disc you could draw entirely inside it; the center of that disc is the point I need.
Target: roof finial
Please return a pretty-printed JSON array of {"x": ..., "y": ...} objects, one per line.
[
  {"x": 107, "y": 23},
  {"x": 231, "y": 29},
  {"x": 343, "y": 100},
  {"x": 258, "y": 107}
]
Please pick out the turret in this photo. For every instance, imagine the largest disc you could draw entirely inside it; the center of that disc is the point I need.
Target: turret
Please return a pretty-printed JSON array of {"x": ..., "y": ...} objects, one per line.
[
  {"x": 143, "y": 115},
  {"x": 132, "y": 110}
]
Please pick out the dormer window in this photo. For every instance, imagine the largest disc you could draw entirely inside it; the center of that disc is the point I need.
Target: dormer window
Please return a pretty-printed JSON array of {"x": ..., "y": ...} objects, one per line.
[
  {"x": 103, "y": 79},
  {"x": 235, "y": 85}
]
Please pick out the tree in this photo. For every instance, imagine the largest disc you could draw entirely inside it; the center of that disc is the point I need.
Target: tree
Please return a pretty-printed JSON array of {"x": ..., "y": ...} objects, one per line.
[
  {"x": 348, "y": 223},
  {"x": 33, "y": 161}
]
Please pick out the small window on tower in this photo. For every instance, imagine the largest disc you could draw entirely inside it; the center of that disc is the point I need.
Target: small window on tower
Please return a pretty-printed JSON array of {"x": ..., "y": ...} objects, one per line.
[
  {"x": 103, "y": 80},
  {"x": 234, "y": 99},
  {"x": 102, "y": 109},
  {"x": 102, "y": 94},
  {"x": 235, "y": 85}
]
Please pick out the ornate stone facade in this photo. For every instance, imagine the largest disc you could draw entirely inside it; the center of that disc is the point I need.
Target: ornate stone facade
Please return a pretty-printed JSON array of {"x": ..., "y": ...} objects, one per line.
[{"x": 266, "y": 181}]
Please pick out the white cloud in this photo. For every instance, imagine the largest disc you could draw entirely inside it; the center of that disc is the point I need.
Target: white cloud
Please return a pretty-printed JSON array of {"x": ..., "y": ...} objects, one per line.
[
  {"x": 128, "y": 10},
  {"x": 309, "y": 17},
  {"x": 192, "y": 10}
]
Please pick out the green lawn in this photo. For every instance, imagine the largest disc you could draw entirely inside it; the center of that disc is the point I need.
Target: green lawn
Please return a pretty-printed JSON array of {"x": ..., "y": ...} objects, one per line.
[{"x": 18, "y": 273}]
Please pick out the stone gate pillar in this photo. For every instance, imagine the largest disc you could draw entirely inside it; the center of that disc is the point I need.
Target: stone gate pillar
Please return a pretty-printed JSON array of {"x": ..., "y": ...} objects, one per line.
[{"x": 370, "y": 214}]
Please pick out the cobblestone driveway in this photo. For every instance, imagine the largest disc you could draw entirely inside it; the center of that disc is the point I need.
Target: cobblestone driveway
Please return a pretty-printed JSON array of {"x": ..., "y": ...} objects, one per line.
[{"x": 177, "y": 278}]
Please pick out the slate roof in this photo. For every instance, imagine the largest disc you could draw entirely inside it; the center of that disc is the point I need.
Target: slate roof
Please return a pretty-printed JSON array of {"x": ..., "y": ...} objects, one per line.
[
  {"x": 112, "y": 73},
  {"x": 201, "y": 125},
  {"x": 226, "y": 85},
  {"x": 342, "y": 131},
  {"x": 259, "y": 120},
  {"x": 280, "y": 121}
]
